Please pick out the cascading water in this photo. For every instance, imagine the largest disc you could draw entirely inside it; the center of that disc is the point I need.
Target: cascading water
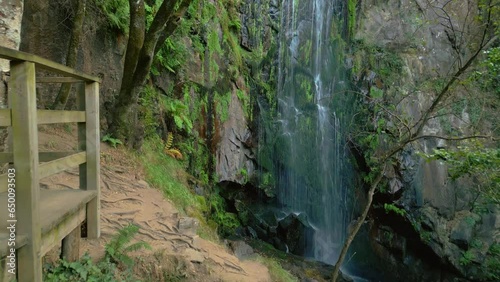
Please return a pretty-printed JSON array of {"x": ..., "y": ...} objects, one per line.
[{"x": 313, "y": 173}]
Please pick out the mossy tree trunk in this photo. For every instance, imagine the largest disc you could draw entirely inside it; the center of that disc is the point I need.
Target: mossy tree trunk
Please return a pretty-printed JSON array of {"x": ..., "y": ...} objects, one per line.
[
  {"x": 141, "y": 50},
  {"x": 71, "y": 56}
]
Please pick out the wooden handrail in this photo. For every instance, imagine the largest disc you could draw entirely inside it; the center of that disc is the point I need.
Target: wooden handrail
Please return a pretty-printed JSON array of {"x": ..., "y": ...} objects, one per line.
[
  {"x": 46, "y": 220},
  {"x": 15, "y": 55}
]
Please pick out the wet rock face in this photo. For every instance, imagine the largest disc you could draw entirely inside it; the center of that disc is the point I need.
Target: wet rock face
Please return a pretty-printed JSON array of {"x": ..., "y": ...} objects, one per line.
[
  {"x": 294, "y": 230},
  {"x": 288, "y": 233},
  {"x": 450, "y": 221}
]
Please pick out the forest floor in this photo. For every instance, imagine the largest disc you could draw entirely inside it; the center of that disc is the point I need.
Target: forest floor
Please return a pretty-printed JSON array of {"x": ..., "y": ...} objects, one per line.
[{"x": 178, "y": 253}]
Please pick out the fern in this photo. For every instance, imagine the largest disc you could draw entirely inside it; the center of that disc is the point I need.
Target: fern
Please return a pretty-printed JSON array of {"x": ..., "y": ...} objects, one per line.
[
  {"x": 174, "y": 153},
  {"x": 170, "y": 140},
  {"x": 119, "y": 247}
]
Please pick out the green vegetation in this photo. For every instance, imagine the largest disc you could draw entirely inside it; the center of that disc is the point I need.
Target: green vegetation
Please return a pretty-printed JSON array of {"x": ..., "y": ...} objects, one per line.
[
  {"x": 491, "y": 265},
  {"x": 473, "y": 160},
  {"x": 277, "y": 272},
  {"x": 112, "y": 141},
  {"x": 168, "y": 175},
  {"x": 83, "y": 270},
  {"x": 117, "y": 13},
  {"x": 351, "y": 11},
  {"x": 466, "y": 258},
  {"x": 115, "y": 266},
  {"x": 393, "y": 208},
  {"x": 118, "y": 249},
  {"x": 226, "y": 222}
]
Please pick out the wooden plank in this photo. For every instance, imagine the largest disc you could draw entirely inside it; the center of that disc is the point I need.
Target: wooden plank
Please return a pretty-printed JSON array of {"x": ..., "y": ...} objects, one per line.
[
  {"x": 42, "y": 157},
  {"x": 25, "y": 149},
  {"x": 56, "y": 235},
  {"x": 3, "y": 183},
  {"x": 89, "y": 140},
  {"x": 55, "y": 166},
  {"x": 70, "y": 249},
  {"x": 61, "y": 212},
  {"x": 48, "y": 116},
  {"x": 21, "y": 240},
  {"x": 57, "y": 79},
  {"x": 15, "y": 55},
  {"x": 6, "y": 157},
  {"x": 56, "y": 205},
  {"x": 5, "y": 117}
]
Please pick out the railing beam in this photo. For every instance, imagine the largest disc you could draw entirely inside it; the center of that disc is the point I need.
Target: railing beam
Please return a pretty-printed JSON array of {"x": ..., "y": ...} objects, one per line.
[
  {"x": 88, "y": 140},
  {"x": 25, "y": 152}
]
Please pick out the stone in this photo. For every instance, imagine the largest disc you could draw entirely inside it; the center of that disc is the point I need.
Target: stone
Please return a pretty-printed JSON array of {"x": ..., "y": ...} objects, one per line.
[
  {"x": 188, "y": 225},
  {"x": 235, "y": 161},
  {"x": 294, "y": 230},
  {"x": 241, "y": 249},
  {"x": 253, "y": 233},
  {"x": 278, "y": 244},
  {"x": 194, "y": 255},
  {"x": 461, "y": 233},
  {"x": 10, "y": 27}
]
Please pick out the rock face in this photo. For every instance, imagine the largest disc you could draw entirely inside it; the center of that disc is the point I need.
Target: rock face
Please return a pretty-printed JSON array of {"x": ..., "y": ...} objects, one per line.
[
  {"x": 294, "y": 230},
  {"x": 445, "y": 228},
  {"x": 234, "y": 156},
  {"x": 11, "y": 13},
  {"x": 46, "y": 30}
]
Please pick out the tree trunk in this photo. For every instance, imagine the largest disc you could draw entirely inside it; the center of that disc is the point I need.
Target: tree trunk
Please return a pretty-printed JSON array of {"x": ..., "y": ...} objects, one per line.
[
  {"x": 71, "y": 57},
  {"x": 139, "y": 60},
  {"x": 360, "y": 221}
]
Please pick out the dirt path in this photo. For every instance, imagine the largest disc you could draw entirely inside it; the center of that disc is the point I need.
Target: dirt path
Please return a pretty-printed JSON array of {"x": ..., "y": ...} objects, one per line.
[{"x": 127, "y": 198}]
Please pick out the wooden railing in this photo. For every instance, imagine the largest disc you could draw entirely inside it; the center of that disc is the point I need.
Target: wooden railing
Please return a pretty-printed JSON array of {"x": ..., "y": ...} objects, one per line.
[{"x": 44, "y": 218}]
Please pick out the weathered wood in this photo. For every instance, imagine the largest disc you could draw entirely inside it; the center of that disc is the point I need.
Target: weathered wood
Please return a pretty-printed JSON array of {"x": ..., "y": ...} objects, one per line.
[
  {"x": 55, "y": 166},
  {"x": 56, "y": 235},
  {"x": 90, "y": 173},
  {"x": 21, "y": 240},
  {"x": 15, "y": 55},
  {"x": 5, "y": 117},
  {"x": 3, "y": 183},
  {"x": 6, "y": 157},
  {"x": 25, "y": 149},
  {"x": 70, "y": 249},
  {"x": 62, "y": 211},
  {"x": 58, "y": 79},
  {"x": 48, "y": 116},
  {"x": 42, "y": 157}
]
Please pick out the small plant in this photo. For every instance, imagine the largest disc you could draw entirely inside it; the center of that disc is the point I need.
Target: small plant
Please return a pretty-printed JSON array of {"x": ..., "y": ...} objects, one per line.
[
  {"x": 174, "y": 153},
  {"x": 393, "y": 208},
  {"x": 244, "y": 174},
  {"x": 119, "y": 247},
  {"x": 466, "y": 258},
  {"x": 112, "y": 141},
  {"x": 81, "y": 270},
  {"x": 227, "y": 222}
]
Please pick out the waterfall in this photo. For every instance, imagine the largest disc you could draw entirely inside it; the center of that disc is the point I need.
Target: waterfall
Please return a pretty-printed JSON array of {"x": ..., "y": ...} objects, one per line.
[{"x": 314, "y": 173}]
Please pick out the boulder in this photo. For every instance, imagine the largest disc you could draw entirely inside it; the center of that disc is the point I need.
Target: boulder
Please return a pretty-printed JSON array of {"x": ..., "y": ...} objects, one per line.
[
  {"x": 294, "y": 230},
  {"x": 241, "y": 249},
  {"x": 188, "y": 226}
]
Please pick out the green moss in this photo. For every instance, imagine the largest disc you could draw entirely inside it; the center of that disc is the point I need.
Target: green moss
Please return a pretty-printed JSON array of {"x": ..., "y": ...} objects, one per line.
[
  {"x": 276, "y": 271},
  {"x": 351, "y": 22}
]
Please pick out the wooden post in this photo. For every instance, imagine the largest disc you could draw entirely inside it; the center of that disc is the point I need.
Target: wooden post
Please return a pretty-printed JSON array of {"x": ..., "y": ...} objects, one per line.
[
  {"x": 70, "y": 249},
  {"x": 89, "y": 140},
  {"x": 25, "y": 153}
]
